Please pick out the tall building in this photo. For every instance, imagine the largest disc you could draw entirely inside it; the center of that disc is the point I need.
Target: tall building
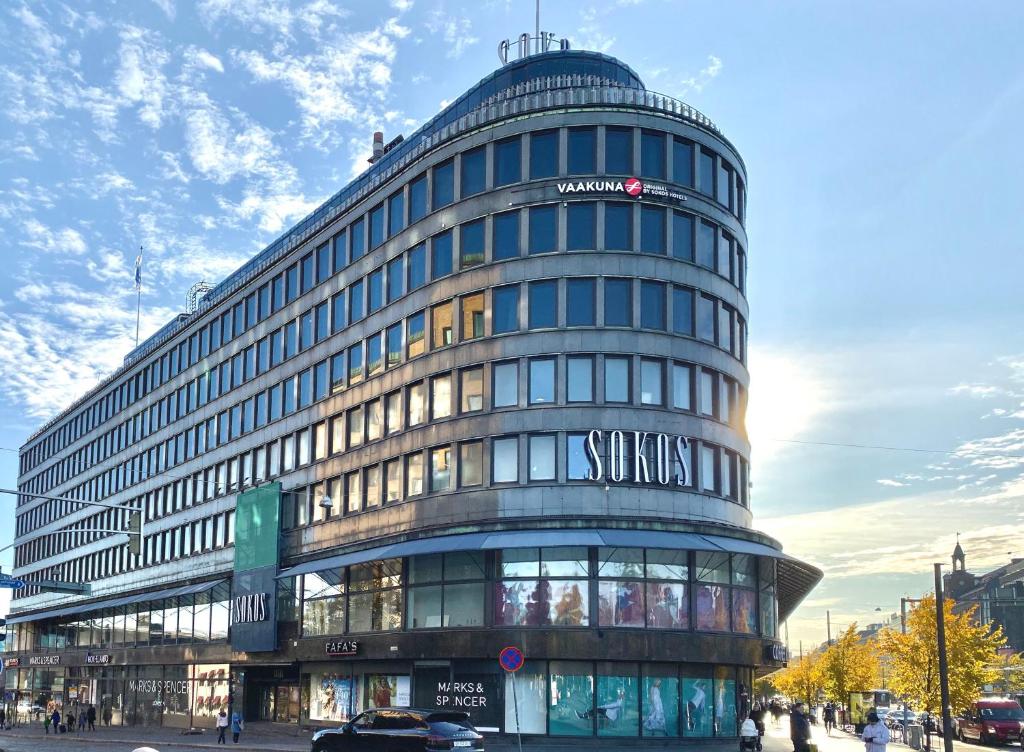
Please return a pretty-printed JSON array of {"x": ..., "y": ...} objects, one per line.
[
  {"x": 490, "y": 394},
  {"x": 996, "y": 596}
]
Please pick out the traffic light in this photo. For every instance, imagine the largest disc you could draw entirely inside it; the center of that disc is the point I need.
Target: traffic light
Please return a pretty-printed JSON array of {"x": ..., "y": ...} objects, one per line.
[{"x": 134, "y": 533}]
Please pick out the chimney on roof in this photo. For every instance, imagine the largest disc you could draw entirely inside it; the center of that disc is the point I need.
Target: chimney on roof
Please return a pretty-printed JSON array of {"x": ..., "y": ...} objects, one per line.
[{"x": 378, "y": 146}]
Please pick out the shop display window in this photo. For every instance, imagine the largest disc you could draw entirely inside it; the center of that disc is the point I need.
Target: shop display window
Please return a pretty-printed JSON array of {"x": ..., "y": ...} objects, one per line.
[
  {"x": 659, "y": 701},
  {"x": 617, "y": 705},
  {"x": 571, "y": 700}
]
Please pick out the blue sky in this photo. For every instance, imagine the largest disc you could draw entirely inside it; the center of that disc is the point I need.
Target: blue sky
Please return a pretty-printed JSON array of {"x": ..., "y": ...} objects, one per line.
[{"x": 885, "y": 223}]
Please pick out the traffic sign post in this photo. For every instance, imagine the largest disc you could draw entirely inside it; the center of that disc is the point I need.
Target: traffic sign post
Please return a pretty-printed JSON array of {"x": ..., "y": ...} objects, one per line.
[{"x": 512, "y": 659}]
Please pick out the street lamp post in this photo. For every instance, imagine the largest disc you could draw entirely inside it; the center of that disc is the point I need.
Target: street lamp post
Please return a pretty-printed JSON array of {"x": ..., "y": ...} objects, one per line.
[{"x": 940, "y": 629}]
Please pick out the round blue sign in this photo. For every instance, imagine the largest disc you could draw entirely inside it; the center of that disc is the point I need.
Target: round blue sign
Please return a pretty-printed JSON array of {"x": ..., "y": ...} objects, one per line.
[{"x": 511, "y": 659}]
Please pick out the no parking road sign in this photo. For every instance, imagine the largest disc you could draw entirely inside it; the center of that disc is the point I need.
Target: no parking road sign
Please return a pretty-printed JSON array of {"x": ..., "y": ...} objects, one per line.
[{"x": 511, "y": 659}]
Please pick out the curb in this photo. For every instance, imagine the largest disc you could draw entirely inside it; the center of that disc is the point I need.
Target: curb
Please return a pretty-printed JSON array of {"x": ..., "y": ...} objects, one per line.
[{"x": 161, "y": 743}]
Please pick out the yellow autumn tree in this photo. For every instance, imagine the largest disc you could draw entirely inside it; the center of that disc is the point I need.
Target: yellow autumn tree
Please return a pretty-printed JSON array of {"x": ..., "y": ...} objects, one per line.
[
  {"x": 914, "y": 657},
  {"x": 801, "y": 679},
  {"x": 848, "y": 665}
]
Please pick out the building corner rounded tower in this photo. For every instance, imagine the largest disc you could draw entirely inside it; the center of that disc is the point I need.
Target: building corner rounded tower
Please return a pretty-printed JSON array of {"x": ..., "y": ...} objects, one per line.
[{"x": 490, "y": 394}]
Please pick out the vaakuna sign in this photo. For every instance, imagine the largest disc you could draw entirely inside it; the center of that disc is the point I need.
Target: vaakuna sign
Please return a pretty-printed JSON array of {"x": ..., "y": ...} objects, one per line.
[
  {"x": 638, "y": 457},
  {"x": 631, "y": 187}
]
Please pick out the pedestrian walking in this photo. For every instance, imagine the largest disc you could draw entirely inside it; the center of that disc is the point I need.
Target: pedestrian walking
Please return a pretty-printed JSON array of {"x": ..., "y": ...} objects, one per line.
[
  {"x": 90, "y": 715},
  {"x": 800, "y": 728},
  {"x": 776, "y": 710},
  {"x": 55, "y": 720},
  {"x": 70, "y": 720},
  {"x": 237, "y": 724},
  {"x": 876, "y": 734},
  {"x": 757, "y": 716},
  {"x": 3, "y": 718},
  {"x": 222, "y": 727},
  {"x": 830, "y": 718},
  {"x": 82, "y": 720}
]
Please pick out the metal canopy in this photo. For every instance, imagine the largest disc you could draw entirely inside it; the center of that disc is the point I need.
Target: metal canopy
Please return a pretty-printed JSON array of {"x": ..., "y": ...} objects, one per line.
[
  {"x": 78, "y": 608},
  {"x": 795, "y": 578}
]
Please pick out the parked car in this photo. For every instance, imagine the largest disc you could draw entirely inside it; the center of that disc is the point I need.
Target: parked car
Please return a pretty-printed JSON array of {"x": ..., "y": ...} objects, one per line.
[
  {"x": 989, "y": 721},
  {"x": 401, "y": 730}
]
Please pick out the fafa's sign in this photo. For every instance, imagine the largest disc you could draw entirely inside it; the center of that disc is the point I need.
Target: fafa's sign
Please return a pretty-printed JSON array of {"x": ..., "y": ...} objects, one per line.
[
  {"x": 638, "y": 457},
  {"x": 342, "y": 647},
  {"x": 633, "y": 187},
  {"x": 249, "y": 609}
]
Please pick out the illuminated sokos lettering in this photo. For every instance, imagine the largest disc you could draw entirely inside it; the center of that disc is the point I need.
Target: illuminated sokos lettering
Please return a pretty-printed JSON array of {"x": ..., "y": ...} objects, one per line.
[
  {"x": 638, "y": 457},
  {"x": 249, "y": 608}
]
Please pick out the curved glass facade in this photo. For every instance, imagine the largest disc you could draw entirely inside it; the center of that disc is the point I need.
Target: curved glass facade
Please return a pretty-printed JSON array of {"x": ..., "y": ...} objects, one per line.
[{"x": 536, "y": 329}]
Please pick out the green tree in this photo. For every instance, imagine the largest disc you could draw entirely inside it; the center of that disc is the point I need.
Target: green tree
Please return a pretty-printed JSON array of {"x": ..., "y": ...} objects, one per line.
[
  {"x": 971, "y": 649},
  {"x": 848, "y": 665}
]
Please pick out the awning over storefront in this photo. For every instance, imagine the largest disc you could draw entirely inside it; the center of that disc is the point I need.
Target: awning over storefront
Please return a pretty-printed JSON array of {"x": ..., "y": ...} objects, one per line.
[
  {"x": 795, "y": 578},
  {"x": 77, "y": 608}
]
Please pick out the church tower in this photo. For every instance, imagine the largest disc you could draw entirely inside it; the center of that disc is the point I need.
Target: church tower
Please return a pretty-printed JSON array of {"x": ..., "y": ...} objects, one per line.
[{"x": 959, "y": 581}]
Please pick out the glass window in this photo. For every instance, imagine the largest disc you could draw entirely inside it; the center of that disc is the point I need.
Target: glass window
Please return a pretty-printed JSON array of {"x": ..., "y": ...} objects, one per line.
[
  {"x": 725, "y": 255},
  {"x": 417, "y": 266},
  {"x": 581, "y": 230},
  {"x": 375, "y": 290},
  {"x": 618, "y": 227},
  {"x": 682, "y": 236},
  {"x": 650, "y": 382},
  {"x": 618, "y": 302},
  {"x": 543, "y": 154},
  {"x": 474, "y": 171},
  {"x": 357, "y": 240},
  {"x": 542, "y": 457},
  {"x": 394, "y": 345},
  {"x": 392, "y": 480},
  {"x": 725, "y": 327},
  {"x": 356, "y": 301},
  {"x": 682, "y": 311},
  {"x": 505, "y": 243},
  {"x": 505, "y": 309},
  {"x": 652, "y": 155},
  {"x": 441, "y": 323},
  {"x": 396, "y": 213},
  {"x": 396, "y": 278},
  {"x": 355, "y": 363},
  {"x": 418, "y": 198},
  {"x": 706, "y": 318},
  {"x": 472, "y": 390},
  {"x": 543, "y": 229},
  {"x": 616, "y": 379},
  {"x": 571, "y": 698},
  {"x": 707, "y": 172},
  {"x": 542, "y": 381},
  {"x": 724, "y": 182},
  {"x": 473, "y": 316},
  {"x": 652, "y": 229},
  {"x": 577, "y": 463},
  {"x": 470, "y": 463},
  {"x": 323, "y": 269},
  {"x": 507, "y": 161},
  {"x": 505, "y": 460},
  {"x": 682, "y": 377},
  {"x": 580, "y": 379},
  {"x": 291, "y": 291},
  {"x": 708, "y": 463},
  {"x": 708, "y": 402},
  {"x": 339, "y": 313},
  {"x": 682, "y": 162},
  {"x": 440, "y": 469},
  {"x": 440, "y": 397},
  {"x": 618, "y": 151},
  {"x": 582, "y": 151},
  {"x": 444, "y": 184},
  {"x": 581, "y": 307},
  {"x": 376, "y": 226},
  {"x": 414, "y": 474},
  {"x": 506, "y": 384},
  {"x": 706, "y": 244},
  {"x": 471, "y": 244},
  {"x": 441, "y": 255},
  {"x": 543, "y": 304},
  {"x": 416, "y": 342},
  {"x": 355, "y": 427},
  {"x": 417, "y": 402},
  {"x": 374, "y": 355},
  {"x": 652, "y": 305},
  {"x": 393, "y": 412}
]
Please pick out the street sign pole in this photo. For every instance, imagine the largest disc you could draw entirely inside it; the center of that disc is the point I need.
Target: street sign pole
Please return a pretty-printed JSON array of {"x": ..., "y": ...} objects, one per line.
[
  {"x": 515, "y": 704},
  {"x": 512, "y": 659}
]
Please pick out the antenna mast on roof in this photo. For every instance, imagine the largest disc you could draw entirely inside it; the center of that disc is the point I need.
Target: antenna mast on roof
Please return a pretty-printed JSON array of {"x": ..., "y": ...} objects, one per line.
[{"x": 538, "y": 19}]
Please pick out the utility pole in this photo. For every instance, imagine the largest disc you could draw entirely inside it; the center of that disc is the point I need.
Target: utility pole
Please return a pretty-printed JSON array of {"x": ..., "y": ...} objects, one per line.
[
  {"x": 828, "y": 626},
  {"x": 940, "y": 629}
]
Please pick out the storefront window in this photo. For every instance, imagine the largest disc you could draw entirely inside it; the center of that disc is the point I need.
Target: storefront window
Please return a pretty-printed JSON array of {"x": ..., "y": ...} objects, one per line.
[
  {"x": 571, "y": 700},
  {"x": 659, "y": 701},
  {"x": 383, "y": 691},
  {"x": 617, "y": 711},
  {"x": 725, "y": 701},
  {"x": 323, "y": 603},
  {"x": 331, "y": 697},
  {"x": 697, "y": 718},
  {"x": 530, "y": 699},
  {"x": 375, "y": 599}
]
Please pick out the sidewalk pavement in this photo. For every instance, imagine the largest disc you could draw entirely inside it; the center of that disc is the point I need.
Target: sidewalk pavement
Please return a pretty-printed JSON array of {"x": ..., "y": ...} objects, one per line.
[
  {"x": 777, "y": 740},
  {"x": 266, "y": 737}
]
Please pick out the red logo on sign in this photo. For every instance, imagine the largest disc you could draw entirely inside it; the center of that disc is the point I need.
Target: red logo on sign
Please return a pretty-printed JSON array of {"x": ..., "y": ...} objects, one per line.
[{"x": 634, "y": 187}]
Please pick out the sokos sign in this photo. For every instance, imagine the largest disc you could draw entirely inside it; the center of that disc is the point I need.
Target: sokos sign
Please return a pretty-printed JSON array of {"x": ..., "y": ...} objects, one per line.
[
  {"x": 249, "y": 609},
  {"x": 638, "y": 457}
]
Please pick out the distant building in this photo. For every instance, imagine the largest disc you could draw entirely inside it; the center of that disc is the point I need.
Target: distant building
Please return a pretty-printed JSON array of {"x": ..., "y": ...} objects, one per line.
[{"x": 999, "y": 595}]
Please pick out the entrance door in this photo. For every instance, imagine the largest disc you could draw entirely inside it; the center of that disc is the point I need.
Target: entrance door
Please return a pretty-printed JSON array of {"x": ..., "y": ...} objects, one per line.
[
  {"x": 287, "y": 704},
  {"x": 267, "y": 703}
]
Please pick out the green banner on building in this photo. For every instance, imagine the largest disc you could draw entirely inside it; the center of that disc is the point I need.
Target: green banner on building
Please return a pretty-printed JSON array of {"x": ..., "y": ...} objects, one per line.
[{"x": 257, "y": 531}]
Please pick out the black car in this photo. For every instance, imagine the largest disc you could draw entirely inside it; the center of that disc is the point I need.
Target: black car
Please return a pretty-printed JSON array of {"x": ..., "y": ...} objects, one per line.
[{"x": 401, "y": 730}]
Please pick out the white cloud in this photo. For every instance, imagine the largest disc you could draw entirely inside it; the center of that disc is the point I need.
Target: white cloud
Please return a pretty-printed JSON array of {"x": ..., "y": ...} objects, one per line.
[
  {"x": 274, "y": 211},
  {"x": 38, "y": 33},
  {"x": 167, "y": 6},
  {"x": 201, "y": 58},
  {"x": 43, "y": 238},
  {"x": 457, "y": 32},
  {"x": 401, "y": 5},
  {"x": 260, "y": 16},
  {"x": 891, "y": 483},
  {"x": 139, "y": 78},
  {"x": 706, "y": 74}
]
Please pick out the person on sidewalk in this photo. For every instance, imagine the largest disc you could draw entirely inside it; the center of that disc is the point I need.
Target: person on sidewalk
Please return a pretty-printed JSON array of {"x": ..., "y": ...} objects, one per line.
[
  {"x": 830, "y": 718},
  {"x": 876, "y": 734},
  {"x": 222, "y": 727},
  {"x": 69, "y": 718},
  {"x": 55, "y": 721},
  {"x": 800, "y": 728},
  {"x": 46, "y": 723},
  {"x": 237, "y": 724},
  {"x": 757, "y": 716},
  {"x": 82, "y": 720},
  {"x": 90, "y": 714}
]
